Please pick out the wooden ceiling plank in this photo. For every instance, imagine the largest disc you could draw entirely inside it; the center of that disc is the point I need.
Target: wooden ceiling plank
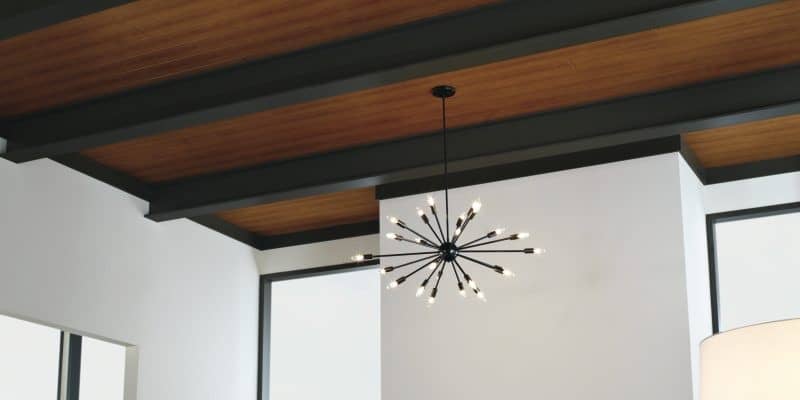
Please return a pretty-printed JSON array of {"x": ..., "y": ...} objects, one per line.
[
  {"x": 745, "y": 143},
  {"x": 738, "y": 100},
  {"x": 372, "y": 61},
  {"x": 731, "y": 44}
]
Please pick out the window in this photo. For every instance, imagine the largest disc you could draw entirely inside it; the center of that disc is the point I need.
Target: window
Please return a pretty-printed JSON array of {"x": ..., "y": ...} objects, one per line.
[
  {"x": 321, "y": 334},
  {"x": 102, "y": 370},
  {"x": 29, "y": 360},
  {"x": 39, "y": 362},
  {"x": 755, "y": 265}
]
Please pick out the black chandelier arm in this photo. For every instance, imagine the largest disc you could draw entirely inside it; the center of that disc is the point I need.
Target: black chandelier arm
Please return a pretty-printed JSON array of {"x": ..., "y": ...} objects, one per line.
[
  {"x": 392, "y": 268},
  {"x": 439, "y": 277},
  {"x": 420, "y": 269},
  {"x": 467, "y": 245},
  {"x": 484, "y": 243},
  {"x": 371, "y": 256},
  {"x": 428, "y": 223},
  {"x": 444, "y": 155},
  {"x": 479, "y": 262},
  {"x": 528, "y": 250},
  {"x": 439, "y": 224},
  {"x": 455, "y": 272},
  {"x": 470, "y": 217},
  {"x": 438, "y": 264},
  {"x": 406, "y": 227},
  {"x": 421, "y": 243},
  {"x": 475, "y": 289}
]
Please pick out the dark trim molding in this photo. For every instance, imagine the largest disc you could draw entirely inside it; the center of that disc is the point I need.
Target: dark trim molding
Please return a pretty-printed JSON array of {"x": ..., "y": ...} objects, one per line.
[
  {"x": 508, "y": 30},
  {"x": 74, "y": 368},
  {"x": 319, "y": 235},
  {"x": 319, "y": 271},
  {"x": 30, "y": 15},
  {"x": 737, "y": 215},
  {"x": 712, "y": 104},
  {"x": 580, "y": 159},
  {"x": 752, "y": 170},
  {"x": 264, "y": 312},
  {"x": 264, "y": 317}
]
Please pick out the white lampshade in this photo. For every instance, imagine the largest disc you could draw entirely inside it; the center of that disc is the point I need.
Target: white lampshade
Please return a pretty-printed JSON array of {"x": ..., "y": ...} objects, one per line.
[{"x": 759, "y": 362}]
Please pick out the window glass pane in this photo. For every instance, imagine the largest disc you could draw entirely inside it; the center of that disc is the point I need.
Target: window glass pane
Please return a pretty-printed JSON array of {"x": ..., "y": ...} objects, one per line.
[
  {"x": 102, "y": 370},
  {"x": 325, "y": 337},
  {"x": 29, "y": 357},
  {"x": 758, "y": 267}
]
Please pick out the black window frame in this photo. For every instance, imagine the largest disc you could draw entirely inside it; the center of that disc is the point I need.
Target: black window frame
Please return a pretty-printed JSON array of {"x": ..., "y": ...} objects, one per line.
[
  {"x": 737, "y": 215},
  {"x": 265, "y": 305}
]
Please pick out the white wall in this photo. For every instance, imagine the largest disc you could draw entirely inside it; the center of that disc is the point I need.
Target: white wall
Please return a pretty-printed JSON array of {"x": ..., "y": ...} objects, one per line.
[
  {"x": 320, "y": 254},
  {"x": 78, "y": 254},
  {"x": 602, "y": 315},
  {"x": 695, "y": 252}
]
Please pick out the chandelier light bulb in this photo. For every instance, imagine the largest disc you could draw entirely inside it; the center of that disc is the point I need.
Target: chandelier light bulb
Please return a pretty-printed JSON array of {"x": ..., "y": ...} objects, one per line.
[
  {"x": 433, "y": 265},
  {"x": 476, "y": 206},
  {"x": 431, "y": 300},
  {"x": 523, "y": 235},
  {"x": 460, "y": 220},
  {"x": 457, "y": 231},
  {"x": 420, "y": 212},
  {"x": 393, "y": 284},
  {"x": 383, "y": 271},
  {"x": 431, "y": 201},
  {"x": 508, "y": 273},
  {"x": 472, "y": 283},
  {"x": 391, "y": 236},
  {"x": 481, "y": 296},
  {"x": 538, "y": 251},
  {"x": 498, "y": 231},
  {"x": 393, "y": 220},
  {"x": 357, "y": 257},
  {"x": 420, "y": 290}
]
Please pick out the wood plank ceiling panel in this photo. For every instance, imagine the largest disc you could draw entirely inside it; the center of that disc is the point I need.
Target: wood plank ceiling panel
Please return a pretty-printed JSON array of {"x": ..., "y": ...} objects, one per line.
[
  {"x": 306, "y": 214},
  {"x": 753, "y": 141},
  {"x": 721, "y": 46},
  {"x": 148, "y": 41}
]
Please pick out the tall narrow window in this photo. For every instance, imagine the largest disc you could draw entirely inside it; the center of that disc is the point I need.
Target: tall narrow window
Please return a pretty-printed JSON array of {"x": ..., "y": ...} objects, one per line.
[
  {"x": 757, "y": 266},
  {"x": 29, "y": 360},
  {"x": 102, "y": 370},
  {"x": 325, "y": 337}
]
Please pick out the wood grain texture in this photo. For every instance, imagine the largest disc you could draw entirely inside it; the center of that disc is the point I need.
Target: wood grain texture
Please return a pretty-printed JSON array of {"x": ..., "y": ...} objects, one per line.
[
  {"x": 721, "y": 46},
  {"x": 148, "y": 41},
  {"x": 753, "y": 141},
  {"x": 307, "y": 213}
]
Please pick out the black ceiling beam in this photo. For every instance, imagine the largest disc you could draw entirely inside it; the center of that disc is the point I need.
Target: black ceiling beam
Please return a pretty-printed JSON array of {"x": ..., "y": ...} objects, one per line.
[
  {"x": 586, "y": 158},
  {"x": 23, "y": 16},
  {"x": 752, "y": 170},
  {"x": 448, "y": 43},
  {"x": 712, "y": 104}
]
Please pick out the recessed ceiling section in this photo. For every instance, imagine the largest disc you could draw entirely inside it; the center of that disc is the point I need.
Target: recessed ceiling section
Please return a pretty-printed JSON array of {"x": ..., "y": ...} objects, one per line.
[
  {"x": 727, "y": 45},
  {"x": 745, "y": 143},
  {"x": 149, "y": 41},
  {"x": 306, "y": 214}
]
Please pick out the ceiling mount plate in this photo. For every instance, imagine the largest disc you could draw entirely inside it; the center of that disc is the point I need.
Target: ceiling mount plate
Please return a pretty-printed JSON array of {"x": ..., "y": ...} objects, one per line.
[{"x": 443, "y": 91}]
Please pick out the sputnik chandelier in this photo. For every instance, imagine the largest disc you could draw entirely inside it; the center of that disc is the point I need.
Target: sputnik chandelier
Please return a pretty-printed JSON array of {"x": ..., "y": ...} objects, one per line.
[{"x": 443, "y": 251}]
